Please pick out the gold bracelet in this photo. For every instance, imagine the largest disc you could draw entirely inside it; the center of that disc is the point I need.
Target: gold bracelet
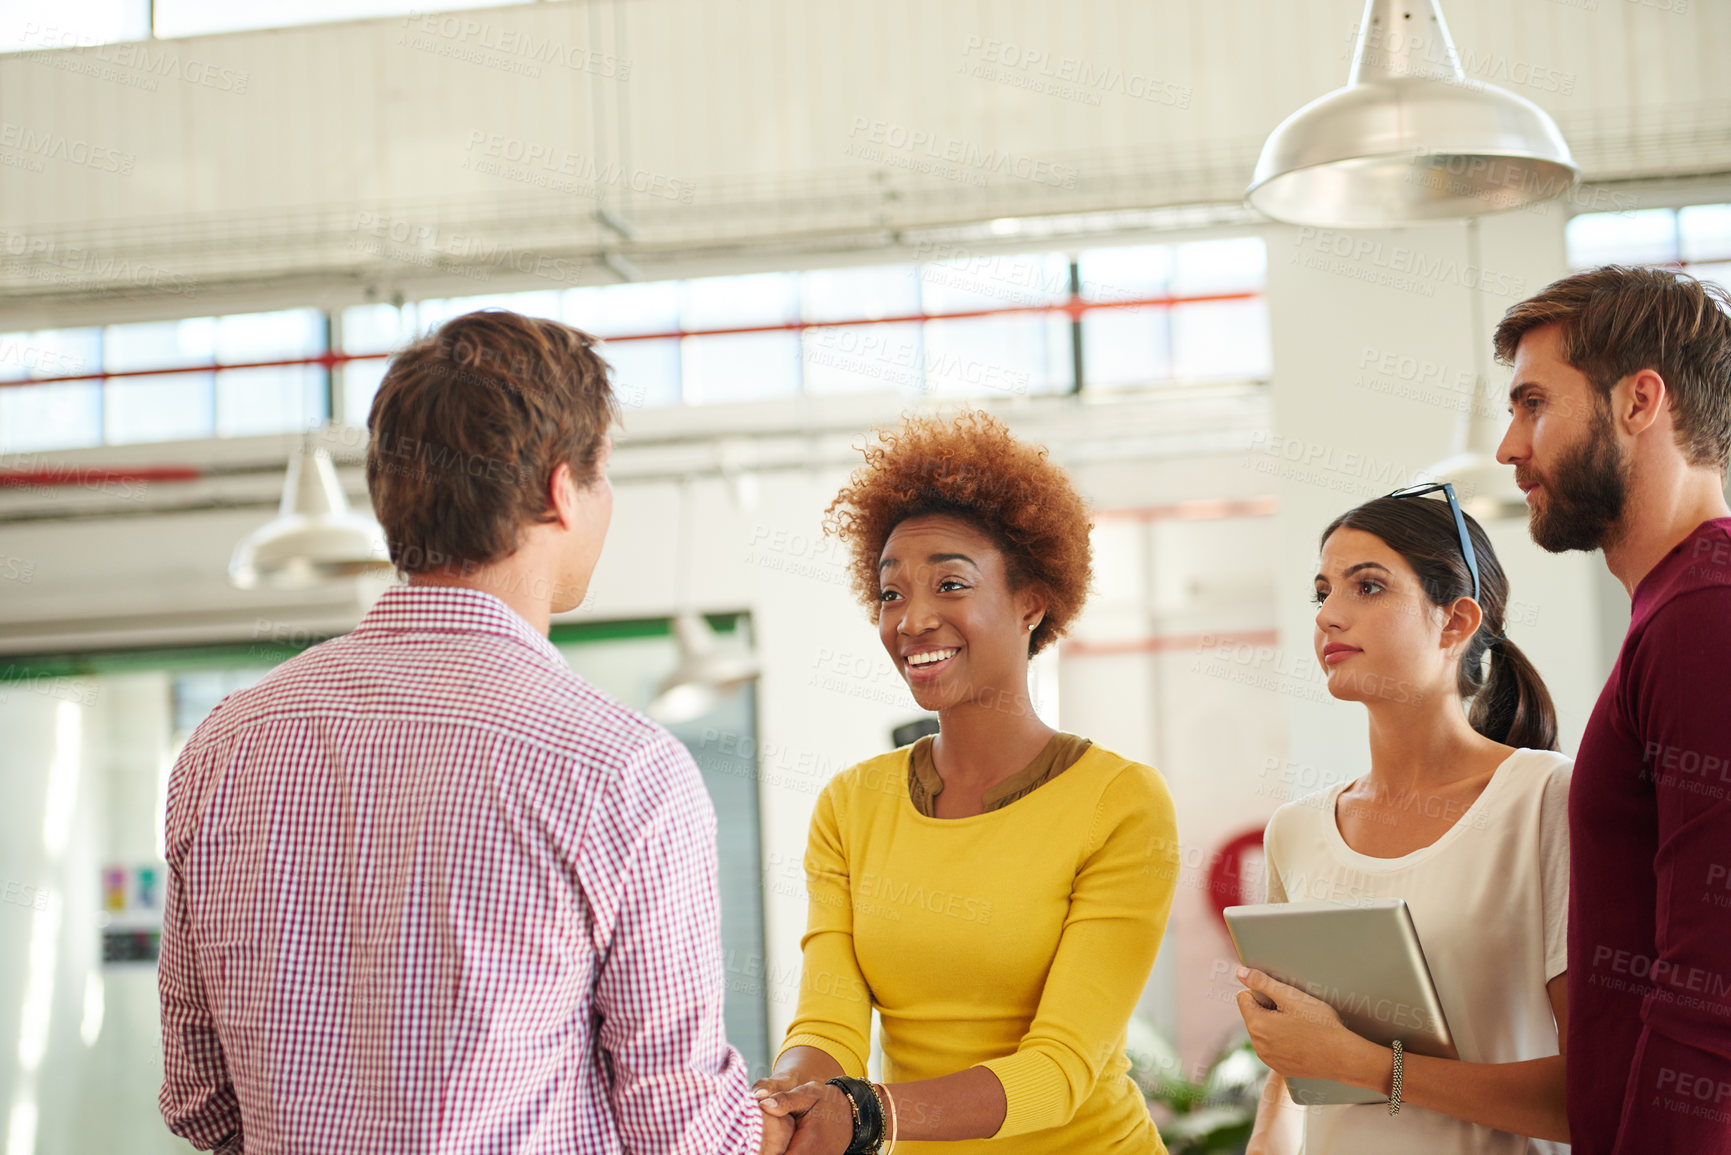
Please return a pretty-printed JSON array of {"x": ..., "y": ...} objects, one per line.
[{"x": 886, "y": 1107}]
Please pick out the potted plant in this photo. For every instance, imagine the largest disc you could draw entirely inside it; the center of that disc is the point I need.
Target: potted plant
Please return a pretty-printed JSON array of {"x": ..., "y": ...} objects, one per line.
[{"x": 1203, "y": 1112}]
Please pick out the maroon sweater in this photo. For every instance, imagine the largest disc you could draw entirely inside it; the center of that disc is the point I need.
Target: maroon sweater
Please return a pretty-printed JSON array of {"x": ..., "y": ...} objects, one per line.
[{"x": 1649, "y": 1062}]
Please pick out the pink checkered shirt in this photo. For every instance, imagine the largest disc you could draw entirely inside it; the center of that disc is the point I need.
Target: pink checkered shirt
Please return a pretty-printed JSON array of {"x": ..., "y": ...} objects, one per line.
[{"x": 432, "y": 892}]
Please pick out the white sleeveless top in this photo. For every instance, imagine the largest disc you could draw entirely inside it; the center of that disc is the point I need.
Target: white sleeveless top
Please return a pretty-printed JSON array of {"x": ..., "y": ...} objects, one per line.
[{"x": 1489, "y": 900}]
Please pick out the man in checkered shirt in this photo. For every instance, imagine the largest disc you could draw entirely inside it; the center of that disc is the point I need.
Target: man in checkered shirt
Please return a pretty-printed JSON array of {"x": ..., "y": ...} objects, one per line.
[{"x": 429, "y": 890}]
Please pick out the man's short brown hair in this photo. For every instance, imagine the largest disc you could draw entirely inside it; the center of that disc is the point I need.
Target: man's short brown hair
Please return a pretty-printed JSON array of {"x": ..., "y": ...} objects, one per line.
[
  {"x": 467, "y": 428},
  {"x": 1618, "y": 320}
]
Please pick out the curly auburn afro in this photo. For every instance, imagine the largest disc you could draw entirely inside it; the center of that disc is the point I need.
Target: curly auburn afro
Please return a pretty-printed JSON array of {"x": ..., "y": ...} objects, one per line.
[{"x": 970, "y": 467}]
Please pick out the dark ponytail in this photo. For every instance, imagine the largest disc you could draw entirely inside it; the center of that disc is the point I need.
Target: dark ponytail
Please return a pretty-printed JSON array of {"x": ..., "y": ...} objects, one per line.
[
  {"x": 1513, "y": 707},
  {"x": 1509, "y": 701}
]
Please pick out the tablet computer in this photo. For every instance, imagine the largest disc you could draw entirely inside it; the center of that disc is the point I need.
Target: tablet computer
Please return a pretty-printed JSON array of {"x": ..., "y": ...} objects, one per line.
[{"x": 1365, "y": 961}]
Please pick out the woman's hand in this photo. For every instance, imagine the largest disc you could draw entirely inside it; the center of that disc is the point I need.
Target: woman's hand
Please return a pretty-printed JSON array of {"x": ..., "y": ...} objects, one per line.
[
  {"x": 822, "y": 1116},
  {"x": 1303, "y": 1038}
]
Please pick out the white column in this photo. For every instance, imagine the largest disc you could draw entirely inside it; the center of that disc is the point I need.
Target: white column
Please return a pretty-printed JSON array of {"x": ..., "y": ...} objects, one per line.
[{"x": 1376, "y": 351}]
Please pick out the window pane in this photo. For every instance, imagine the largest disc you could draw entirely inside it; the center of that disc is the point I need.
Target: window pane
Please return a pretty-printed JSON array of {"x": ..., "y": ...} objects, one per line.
[
  {"x": 173, "y": 407},
  {"x": 741, "y": 367},
  {"x": 864, "y": 359},
  {"x": 729, "y": 302},
  {"x": 1233, "y": 265},
  {"x": 370, "y": 329},
  {"x": 541, "y": 303},
  {"x": 624, "y": 310},
  {"x": 39, "y": 417},
  {"x": 645, "y": 373},
  {"x": 159, "y": 344},
  {"x": 1126, "y": 347},
  {"x": 377, "y": 328},
  {"x": 1642, "y": 238},
  {"x": 60, "y": 416},
  {"x": 1128, "y": 274},
  {"x": 49, "y": 353},
  {"x": 1218, "y": 339},
  {"x": 360, "y": 382},
  {"x": 994, "y": 356},
  {"x": 71, "y": 23},
  {"x": 861, "y": 294},
  {"x": 175, "y": 18},
  {"x": 1706, "y": 232},
  {"x": 996, "y": 282},
  {"x": 254, "y": 401},
  {"x": 1716, "y": 271},
  {"x": 244, "y": 337},
  {"x": 276, "y": 400}
]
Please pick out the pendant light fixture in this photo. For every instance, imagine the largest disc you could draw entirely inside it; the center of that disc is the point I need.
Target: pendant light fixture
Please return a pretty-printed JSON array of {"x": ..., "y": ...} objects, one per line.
[
  {"x": 706, "y": 671},
  {"x": 315, "y": 537},
  {"x": 1485, "y": 485},
  {"x": 1409, "y": 138}
]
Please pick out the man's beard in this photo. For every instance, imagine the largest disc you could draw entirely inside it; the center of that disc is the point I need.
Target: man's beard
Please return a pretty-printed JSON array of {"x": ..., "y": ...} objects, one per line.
[{"x": 1585, "y": 495}]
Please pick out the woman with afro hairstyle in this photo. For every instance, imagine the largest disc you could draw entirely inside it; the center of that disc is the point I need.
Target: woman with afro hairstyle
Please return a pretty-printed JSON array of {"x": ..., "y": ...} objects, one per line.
[{"x": 997, "y": 891}]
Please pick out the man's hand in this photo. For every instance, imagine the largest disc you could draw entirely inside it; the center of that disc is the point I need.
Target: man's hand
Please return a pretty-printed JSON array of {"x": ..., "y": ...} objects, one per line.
[
  {"x": 821, "y": 1114},
  {"x": 772, "y": 1084},
  {"x": 777, "y": 1134},
  {"x": 1303, "y": 1038}
]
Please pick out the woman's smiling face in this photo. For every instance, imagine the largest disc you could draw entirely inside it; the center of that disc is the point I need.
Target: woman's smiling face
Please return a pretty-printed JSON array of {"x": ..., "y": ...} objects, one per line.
[{"x": 947, "y": 616}]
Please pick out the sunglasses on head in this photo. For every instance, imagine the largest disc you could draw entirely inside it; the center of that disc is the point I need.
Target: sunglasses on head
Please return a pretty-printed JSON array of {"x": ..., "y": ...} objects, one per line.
[{"x": 1448, "y": 491}]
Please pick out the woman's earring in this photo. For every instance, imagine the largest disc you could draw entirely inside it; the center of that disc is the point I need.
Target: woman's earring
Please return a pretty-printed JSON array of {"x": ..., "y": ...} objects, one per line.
[{"x": 1031, "y": 625}]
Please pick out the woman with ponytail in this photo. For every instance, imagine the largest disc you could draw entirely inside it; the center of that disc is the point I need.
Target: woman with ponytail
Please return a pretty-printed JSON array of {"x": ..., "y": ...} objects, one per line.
[{"x": 1464, "y": 814}]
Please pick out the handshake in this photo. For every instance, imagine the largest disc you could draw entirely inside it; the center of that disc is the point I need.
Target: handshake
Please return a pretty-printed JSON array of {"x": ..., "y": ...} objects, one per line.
[{"x": 803, "y": 1118}]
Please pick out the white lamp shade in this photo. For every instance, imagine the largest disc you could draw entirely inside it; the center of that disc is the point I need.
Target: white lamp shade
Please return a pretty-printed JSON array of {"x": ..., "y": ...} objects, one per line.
[
  {"x": 1485, "y": 486},
  {"x": 315, "y": 537},
  {"x": 704, "y": 675}
]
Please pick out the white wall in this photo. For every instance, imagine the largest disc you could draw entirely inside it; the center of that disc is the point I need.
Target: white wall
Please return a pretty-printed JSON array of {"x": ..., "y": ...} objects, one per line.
[
  {"x": 828, "y": 696},
  {"x": 276, "y": 191},
  {"x": 78, "y": 1032}
]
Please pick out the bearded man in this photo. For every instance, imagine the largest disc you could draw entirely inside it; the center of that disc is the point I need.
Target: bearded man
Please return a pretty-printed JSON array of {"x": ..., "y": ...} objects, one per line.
[{"x": 1621, "y": 429}]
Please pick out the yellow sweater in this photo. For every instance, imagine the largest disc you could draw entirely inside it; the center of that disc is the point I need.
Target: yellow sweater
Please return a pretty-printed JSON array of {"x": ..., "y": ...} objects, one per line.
[{"x": 1018, "y": 940}]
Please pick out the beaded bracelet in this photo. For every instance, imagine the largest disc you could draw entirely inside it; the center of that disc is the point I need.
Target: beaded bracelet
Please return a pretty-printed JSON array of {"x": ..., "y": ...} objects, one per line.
[
  {"x": 1394, "y": 1086},
  {"x": 888, "y": 1106}
]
